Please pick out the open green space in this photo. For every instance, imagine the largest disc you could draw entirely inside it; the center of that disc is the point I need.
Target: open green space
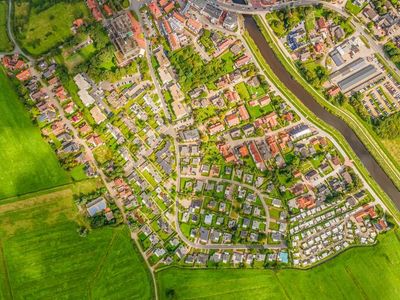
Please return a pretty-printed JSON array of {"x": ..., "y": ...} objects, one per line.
[
  {"x": 40, "y": 29},
  {"x": 192, "y": 71},
  {"x": 354, "y": 8},
  {"x": 43, "y": 255},
  {"x": 78, "y": 173},
  {"x": 5, "y": 44},
  {"x": 258, "y": 111},
  {"x": 310, "y": 21},
  {"x": 206, "y": 41},
  {"x": 242, "y": 91},
  {"x": 27, "y": 163},
  {"x": 359, "y": 273}
]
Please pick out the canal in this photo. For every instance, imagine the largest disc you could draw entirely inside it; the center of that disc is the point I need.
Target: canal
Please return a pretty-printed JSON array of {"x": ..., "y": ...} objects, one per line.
[{"x": 358, "y": 147}]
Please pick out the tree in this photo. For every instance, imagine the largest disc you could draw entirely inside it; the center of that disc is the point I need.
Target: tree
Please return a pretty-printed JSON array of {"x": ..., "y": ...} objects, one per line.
[
  {"x": 389, "y": 128},
  {"x": 355, "y": 101}
]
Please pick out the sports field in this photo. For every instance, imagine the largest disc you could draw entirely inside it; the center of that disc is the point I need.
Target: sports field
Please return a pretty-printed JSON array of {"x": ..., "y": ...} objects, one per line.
[
  {"x": 27, "y": 163},
  {"x": 47, "y": 29},
  {"x": 5, "y": 44},
  {"x": 360, "y": 273},
  {"x": 44, "y": 257}
]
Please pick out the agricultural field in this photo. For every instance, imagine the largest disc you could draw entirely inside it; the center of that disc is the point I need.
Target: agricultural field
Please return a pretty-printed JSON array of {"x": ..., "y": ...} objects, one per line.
[
  {"x": 39, "y": 31},
  {"x": 5, "y": 44},
  {"x": 360, "y": 273},
  {"x": 28, "y": 162},
  {"x": 44, "y": 256}
]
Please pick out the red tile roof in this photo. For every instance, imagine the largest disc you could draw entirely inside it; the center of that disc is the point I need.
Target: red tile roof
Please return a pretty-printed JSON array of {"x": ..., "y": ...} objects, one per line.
[
  {"x": 169, "y": 7},
  {"x": 24, "y": 75},
  {"x": 155, "y": 10},
  {"x": 244, "y": 115},
  {"x": 108, "y": 10}
]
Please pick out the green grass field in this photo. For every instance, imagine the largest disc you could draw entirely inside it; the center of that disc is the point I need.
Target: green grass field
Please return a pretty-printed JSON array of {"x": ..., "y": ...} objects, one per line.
[
  {"x": 5, "y": 44},
  {"x": 360, "y": 273},
  {"x": 80, "y": 57},
  {"x": 43, "y": 256},
  {"x": 47, "y": 29},
  {"x": 27, "y": 163},
  {"x": 354, "y": 9}
]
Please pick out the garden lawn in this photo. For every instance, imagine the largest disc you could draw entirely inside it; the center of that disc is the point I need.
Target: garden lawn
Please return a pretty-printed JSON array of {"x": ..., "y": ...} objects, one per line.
[
  {"x": 5, "y": 44},
  {"x": 360, "y": 273},
  {"x": 44, "y": 257},
  {"x": 49, "y": 28},
  {"x": 80, "y": 57},
  {"x": 276, "y": 24},
  {"x": 27, "y": 163},
  {"x": 353, "y": 8},
  {"x": 257, "y": 111},
  {"x": 242, "y": 91},
  {"x": 193, "y": 72},
  {"x": 310, "y": 21}
]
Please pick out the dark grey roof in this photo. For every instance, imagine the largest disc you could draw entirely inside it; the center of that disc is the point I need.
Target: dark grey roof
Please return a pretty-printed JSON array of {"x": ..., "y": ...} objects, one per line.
[
  {"x": 357, "y": 77},
  {"x": 212, "y": 11},
  {"x": 337, "y": 58},
  {"x": 347, "y": 69}
]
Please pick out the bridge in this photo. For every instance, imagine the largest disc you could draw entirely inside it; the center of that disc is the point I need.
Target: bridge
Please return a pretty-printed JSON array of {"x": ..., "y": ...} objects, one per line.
[{"x": 251, "y": 10}]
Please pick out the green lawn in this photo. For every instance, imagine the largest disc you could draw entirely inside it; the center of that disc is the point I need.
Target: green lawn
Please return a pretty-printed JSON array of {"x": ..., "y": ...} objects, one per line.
[
  {"x": 257, "y": 111},
  {"x": 242, "y": 91},
  {"x": 361, "y": 273},
  {"x": 354, "y": 9},
  {"x": 276, "y": 24},
  {"x": 27, "y": 162},
  {"x": 78, "y": 173},
  {"x": 79, "y": 57},
  {"x": 5, "y": 44},
  {"x": 44, "y": 257},
  {"x": 49, "y": 28},
  {"x": 310, "y": 21}
]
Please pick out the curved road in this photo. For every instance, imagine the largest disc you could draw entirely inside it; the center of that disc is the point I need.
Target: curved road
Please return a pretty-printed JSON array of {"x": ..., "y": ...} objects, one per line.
[{"x": 9, "y": 31}]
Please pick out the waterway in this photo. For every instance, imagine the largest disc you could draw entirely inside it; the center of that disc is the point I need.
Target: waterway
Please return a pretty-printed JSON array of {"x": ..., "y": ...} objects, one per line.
[{"x": 358, "y": 147}]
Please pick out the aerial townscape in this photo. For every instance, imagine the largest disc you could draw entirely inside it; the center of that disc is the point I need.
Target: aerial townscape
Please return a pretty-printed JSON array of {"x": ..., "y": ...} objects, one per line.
[{"x": 199, "y": 149}]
